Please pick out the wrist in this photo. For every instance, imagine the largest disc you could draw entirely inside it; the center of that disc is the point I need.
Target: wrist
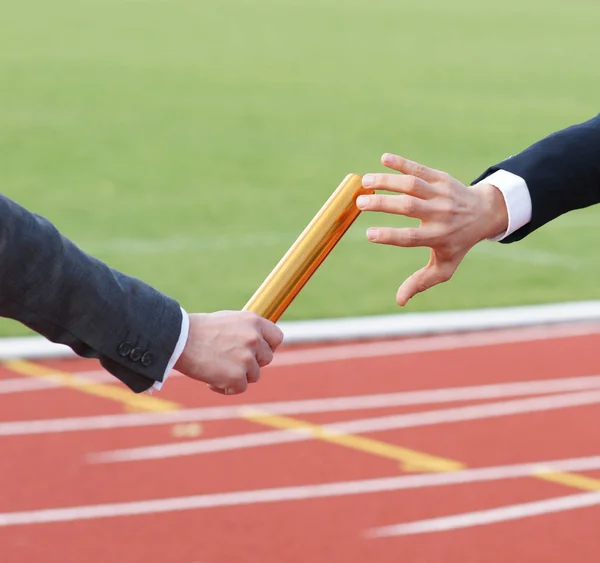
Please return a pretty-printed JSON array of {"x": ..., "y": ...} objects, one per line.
[
  {"x": 183, "y": 344},
  {"x": 494, "y": 212}
]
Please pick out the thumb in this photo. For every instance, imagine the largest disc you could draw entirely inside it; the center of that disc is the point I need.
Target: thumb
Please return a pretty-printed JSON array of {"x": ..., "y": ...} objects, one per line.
[{"x": 422, "y": 280}]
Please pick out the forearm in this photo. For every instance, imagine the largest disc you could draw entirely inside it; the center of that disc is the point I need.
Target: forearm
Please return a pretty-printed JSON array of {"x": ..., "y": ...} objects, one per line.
[{"x": 69, "y": 297}]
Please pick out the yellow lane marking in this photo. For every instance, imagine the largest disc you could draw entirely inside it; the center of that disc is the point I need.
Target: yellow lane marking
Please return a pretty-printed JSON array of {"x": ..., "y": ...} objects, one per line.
[
  {"x": 129, "y": 399},
  {"x": 569, "y": 479},
  {"x": 410, "y": 460}
]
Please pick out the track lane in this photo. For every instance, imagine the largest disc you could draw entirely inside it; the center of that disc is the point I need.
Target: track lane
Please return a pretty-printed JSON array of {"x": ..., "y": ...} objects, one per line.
[{"x": 309, "y": 530}]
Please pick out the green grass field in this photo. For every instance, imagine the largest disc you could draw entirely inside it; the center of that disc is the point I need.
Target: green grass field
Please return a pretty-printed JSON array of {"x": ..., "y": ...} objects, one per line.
[{"x": 189, "y": 142}]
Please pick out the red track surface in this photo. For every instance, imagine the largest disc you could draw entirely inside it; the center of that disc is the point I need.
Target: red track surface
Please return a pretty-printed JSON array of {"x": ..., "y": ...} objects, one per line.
[{"x": 53, "y": 470}]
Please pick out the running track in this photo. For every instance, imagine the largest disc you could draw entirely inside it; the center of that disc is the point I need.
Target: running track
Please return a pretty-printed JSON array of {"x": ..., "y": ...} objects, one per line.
[{"x": 466, "y": 448}]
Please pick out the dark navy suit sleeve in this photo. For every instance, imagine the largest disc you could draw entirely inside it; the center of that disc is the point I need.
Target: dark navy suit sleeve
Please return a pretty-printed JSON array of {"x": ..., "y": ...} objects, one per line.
[
  {"x": 562, "y": 172},
  {"x": 48, "y": 284}
]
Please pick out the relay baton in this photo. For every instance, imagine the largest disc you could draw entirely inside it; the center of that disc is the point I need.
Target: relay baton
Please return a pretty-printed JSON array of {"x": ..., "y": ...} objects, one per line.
[{"x": 309, "y": 250}]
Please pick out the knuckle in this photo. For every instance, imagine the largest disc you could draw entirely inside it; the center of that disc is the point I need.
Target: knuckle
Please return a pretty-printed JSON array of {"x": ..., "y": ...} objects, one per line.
[
  {"x": 442, "y": 177},
  {"x": 252, "y": 318},
  {"x": 246, "y": 357},
  {"x": 266, "y": 359},
  {"x": 411, "y": 183},
  {"x": 447, "y": 208},
  {"x": 381, "y": 180},
  {"x": 447, "y": 187},
  {"x": 376, "y": 201},
  {"x": 252, "y": 338},
  {"x": 410, "y": 205},
  {"x": 232, "y": 374},
  {"x": 412, "y": 237}
]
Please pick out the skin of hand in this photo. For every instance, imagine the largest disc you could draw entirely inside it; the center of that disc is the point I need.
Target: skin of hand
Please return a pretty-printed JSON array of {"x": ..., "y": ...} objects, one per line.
[
  {"x": 226, "y": 349},
  {"x": 453, "y": 217}
]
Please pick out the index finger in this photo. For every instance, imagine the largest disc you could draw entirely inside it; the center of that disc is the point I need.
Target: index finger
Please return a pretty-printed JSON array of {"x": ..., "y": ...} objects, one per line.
[{"x": 401, "y": 164}]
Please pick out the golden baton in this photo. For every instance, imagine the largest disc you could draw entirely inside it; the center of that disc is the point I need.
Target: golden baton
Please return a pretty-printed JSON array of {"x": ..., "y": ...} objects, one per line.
[{"x": 303, "y": 258}]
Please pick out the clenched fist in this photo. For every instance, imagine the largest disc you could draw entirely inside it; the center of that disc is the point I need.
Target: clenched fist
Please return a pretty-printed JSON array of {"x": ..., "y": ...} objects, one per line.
[{"x": 226, "y": 349}]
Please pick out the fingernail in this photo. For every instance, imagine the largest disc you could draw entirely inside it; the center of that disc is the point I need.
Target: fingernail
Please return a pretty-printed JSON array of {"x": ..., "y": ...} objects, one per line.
[
  {"x": 229, "y": 391},
  {"x": 372, "y": 234},
  {"x": 368, "y": 181},
  {"x": 387, "y": 158},
  {"x": 362, "y": 201}
]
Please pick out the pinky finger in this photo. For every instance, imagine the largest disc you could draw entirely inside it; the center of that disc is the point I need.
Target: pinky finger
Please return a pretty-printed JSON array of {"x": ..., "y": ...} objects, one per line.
[
  {"x": 216, "y": 389},
  {"x": 227, "y": 391}
]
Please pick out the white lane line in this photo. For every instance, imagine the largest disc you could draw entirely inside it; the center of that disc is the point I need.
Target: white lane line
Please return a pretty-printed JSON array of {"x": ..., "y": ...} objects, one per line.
[
  {"x": 373, "y": 349},
  {"x": 377, "y": 424},
  {"x": 431, "y": 344},
  {"x": 306, "y": 406},
  {"x": 337, "y": 353},
  {"x": 379, "y": 327},
  {"x": 302, "y": 492},
  {"x": 23, "y": 384},
  {"x": 492, "y": 516}
]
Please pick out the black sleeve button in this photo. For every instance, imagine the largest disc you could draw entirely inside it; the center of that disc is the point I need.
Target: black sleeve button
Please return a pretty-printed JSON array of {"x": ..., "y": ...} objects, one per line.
[
  {"x": 124, "y": 349},
  {"x": 147, "y": 359},
  {"x": 135, "y": 355}
]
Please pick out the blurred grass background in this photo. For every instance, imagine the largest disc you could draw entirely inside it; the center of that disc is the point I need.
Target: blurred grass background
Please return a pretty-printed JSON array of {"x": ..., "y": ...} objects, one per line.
[{"x": 188, "y": 143}]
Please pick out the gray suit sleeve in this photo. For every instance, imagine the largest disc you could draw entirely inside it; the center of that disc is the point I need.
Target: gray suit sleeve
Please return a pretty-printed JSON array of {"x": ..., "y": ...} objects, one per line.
[{"x": 50, "y": 285}]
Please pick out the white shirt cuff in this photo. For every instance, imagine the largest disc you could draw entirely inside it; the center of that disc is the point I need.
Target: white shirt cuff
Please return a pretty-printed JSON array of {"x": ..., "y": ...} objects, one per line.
[
  {"x": 517, "y": 198},
  {"x": 185, "y": 327}
]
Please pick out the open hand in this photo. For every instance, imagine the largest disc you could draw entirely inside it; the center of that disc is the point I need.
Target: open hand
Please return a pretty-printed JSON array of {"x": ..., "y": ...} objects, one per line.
[{"x": 453, "y": 217}]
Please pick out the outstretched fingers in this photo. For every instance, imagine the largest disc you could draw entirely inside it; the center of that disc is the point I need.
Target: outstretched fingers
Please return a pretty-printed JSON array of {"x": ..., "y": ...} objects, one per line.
[
  {"x": 407, "y": 237},
  {"x": 409, "y": 185},
  {"x": 406, "y": 205},
  {"x": 411, "y": 168}
]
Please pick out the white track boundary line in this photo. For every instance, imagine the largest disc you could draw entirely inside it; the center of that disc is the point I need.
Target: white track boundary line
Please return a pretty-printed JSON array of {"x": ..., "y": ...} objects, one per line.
[
  {"x": 304, "y": 406},
  {"x": 377, "y": 424},
  {"x": 24, "y": 385},
  {"x": 296, "y": 493},
  {"x": 491, "y": 516},
  {"x": 371, "y": 327},
  {"x": 364, "y": 350}
]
